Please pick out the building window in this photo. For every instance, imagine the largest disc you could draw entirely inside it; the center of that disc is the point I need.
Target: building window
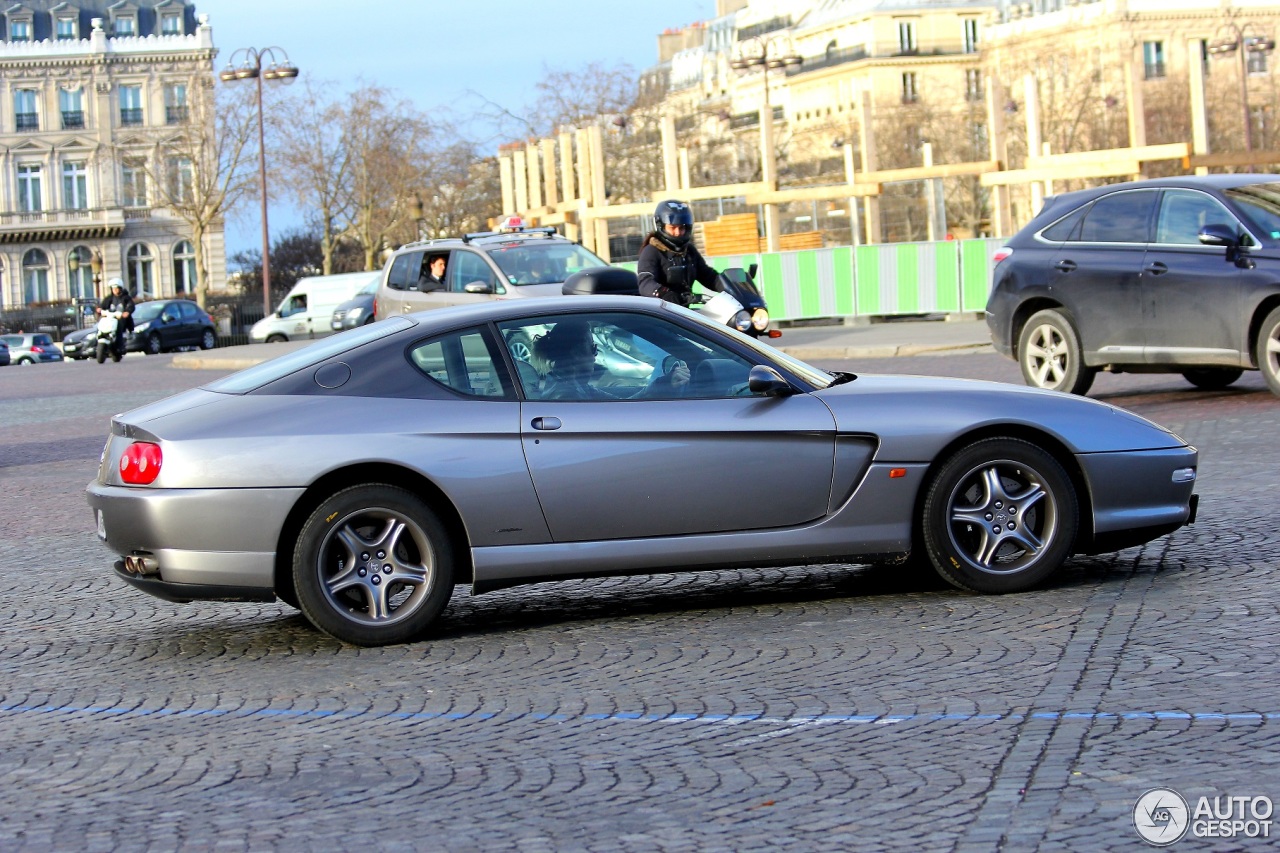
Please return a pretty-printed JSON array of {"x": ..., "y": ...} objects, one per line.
[
  {"x": 65, "y": 29},
  {"x": 125, "y": 25},
  {"x": 170, "y": 25},
  {"x": 973, "y": 84},
  {"x": 133, "y": 184},
  {"x": 80, "y": 273},
  {"x": 1255, "y": 60},
  {"x": 138, "y": 264},
  {"x": 970, "y": 35},
  {"x": 130, "y": 105},
  {"x": 24, "y": 110},
  {"x": 75, "y": 186},
  {"x": 35, "y": 276},
  {"x": 19, "y": 31},
  {"x": 175, "y": 103},
  {"x": 909, "y": 93},
  {"x": 180, "y": 179},
  {"x": 1153, "y": 59},
  {"x": 71, "y": 104},
  {"x": 184, "y": 267},
  {"x": 906, "y": 37},
  {"x": 30, "y": 199}
]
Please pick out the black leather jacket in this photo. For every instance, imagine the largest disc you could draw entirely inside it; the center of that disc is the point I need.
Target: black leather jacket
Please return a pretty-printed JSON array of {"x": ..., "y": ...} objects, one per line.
[
  {"x": 122, "y": 302},
  {"x": 671, "y": 275}
]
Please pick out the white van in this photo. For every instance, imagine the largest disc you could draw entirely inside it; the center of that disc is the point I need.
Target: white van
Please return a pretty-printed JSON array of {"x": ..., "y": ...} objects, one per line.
[{"x": 306, "y": 311}]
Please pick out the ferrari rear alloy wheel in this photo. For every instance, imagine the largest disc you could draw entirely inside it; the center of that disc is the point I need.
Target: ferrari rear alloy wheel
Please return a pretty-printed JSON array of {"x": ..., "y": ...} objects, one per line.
[
  {"x": 1268, "y": 353},
  {"x": 1050, "y": 356},
  {"x": 1000, "y": 516},
  {"x": 373, "y": 566}
]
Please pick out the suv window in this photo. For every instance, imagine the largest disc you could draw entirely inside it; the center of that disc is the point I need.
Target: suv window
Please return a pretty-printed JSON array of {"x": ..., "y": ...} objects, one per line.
[
  {"x": 468, "y": 267},
  {"x": 404, "y": 272},
  {"x": 1122, "y": 217},
  {"x": 1183, "y": 213},
  {"x": 1065, "y": 228}
]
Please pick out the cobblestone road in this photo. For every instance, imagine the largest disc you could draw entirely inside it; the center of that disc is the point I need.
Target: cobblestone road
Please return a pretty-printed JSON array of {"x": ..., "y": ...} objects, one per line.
[{"x": 834, "y": 707}]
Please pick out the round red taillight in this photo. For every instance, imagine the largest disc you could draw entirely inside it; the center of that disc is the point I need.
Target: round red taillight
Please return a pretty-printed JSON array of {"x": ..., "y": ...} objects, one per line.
[{"x": 140, "y": 463}]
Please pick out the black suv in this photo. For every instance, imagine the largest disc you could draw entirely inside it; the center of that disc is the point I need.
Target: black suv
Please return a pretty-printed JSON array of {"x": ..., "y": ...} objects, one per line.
[
  {"x": 168, "y": 324},
  {"x": 1175, "y": 275}
]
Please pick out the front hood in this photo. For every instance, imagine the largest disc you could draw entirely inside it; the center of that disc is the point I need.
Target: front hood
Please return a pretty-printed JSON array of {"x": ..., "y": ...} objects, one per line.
[
  {"x": 915, "y": 416},
  {"x": 534, "y": 290}
]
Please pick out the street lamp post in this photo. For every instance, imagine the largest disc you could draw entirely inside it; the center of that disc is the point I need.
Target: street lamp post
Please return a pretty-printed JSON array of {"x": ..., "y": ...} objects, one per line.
[
  {"x": 1241, "y": 40},
  {"x": 769, "y": 52},
  {"x": 280, "y": 69}
]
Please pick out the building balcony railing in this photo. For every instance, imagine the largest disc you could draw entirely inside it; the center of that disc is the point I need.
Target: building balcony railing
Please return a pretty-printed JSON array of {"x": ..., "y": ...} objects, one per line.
[
  {"x": 130, "y": 116},
  {"x": 72, "y": 119},
  {"x": 176, "y": 115},
  {"x": 827, "y": 60},
  {"x": 64, "y": 224},
  {"x": 26, "y": 121},
  {"x": 752, "y": 119}
]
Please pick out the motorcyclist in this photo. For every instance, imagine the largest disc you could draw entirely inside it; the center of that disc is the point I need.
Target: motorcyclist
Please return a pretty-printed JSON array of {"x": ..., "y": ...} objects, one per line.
[
  {"x": 121, "y": 302},
  {"x": 669, "y": 263}
]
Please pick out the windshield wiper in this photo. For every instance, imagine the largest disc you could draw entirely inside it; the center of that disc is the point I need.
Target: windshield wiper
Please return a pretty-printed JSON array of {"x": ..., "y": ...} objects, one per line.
[{"x": 841, "y": 377}]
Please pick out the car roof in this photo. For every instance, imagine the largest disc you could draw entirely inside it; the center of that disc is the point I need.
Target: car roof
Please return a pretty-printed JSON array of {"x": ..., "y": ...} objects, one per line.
[
  {"x": 487, "y": 239},
  {"x": 506, "y": 309},
  {"x": 1219, "y": 182}
]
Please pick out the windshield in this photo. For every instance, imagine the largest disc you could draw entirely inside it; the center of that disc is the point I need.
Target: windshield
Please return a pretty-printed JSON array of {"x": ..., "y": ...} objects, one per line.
[
  {"x": 147, "y": 311},
  {"x": 370, "y": 288},
  {"x": 1260, "y": 204},
  {"x": 269, "y": 371},
  {"x": 549, "y": 262}
]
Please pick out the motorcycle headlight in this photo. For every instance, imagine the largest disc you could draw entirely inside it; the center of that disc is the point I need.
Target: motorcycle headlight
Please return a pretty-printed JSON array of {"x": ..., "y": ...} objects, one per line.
[
  {"x": 760, "y": 319},
  {"x": 741, "y": 321}
]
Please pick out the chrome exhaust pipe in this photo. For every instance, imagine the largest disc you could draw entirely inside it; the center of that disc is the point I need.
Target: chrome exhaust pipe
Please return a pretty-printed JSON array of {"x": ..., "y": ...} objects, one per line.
[{"x": 141, "y": 565}]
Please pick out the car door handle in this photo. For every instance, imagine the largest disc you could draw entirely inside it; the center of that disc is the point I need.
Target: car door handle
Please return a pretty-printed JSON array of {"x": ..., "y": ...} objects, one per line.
[
  {"x": 1155, "y": 268},
  {"x": 545, "y": 423},
  {"x": 1065, "y": 266}
]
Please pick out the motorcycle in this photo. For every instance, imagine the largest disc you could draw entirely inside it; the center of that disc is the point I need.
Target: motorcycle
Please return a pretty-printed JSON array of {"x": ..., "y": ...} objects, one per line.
[
  {"x": 108, "y": 327},
  {"x": 737, "y": 302}
]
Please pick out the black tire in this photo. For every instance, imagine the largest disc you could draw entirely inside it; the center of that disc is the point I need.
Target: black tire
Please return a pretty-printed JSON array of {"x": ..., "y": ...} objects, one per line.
[
  {"x": 1268, "y": 351},
  {"x": 116, "y": 355},
  {"x": 1050, "y": 356},
  {"x": 398, "y": 562},
  {"x": 276, "y": 339},
  {"x": 1212, "y": 378},
  {"x": 1003, "y": 483},
  {"x": 23, "y": 362},
  {"x": 153, "y": 344},
  {"x": 208, "y": 340},
  {"x": 102, "y": 352},
  {"x": 521, "y": 347}
]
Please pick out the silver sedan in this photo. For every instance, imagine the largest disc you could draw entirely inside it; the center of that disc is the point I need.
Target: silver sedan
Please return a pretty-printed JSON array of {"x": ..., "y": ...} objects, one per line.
[{"x": 363, "y": 477}]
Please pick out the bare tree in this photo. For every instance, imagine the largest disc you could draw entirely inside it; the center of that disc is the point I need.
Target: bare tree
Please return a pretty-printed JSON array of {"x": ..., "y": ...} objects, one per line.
[
  {"x": 314, "y": 160},
  {"x": 202, "y": 168}
]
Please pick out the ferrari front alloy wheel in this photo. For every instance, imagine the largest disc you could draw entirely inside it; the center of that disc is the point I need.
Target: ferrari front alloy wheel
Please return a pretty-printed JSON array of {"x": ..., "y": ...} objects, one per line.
[
  {"x": 373, "y": 566},
  {"x": 1000, "y": 516}
]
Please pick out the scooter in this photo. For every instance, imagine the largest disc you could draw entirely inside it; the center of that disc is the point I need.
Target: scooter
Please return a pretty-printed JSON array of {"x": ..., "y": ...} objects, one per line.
[
  {"x": 738, "y": 303},
  {"x": 108, "y": 327}
]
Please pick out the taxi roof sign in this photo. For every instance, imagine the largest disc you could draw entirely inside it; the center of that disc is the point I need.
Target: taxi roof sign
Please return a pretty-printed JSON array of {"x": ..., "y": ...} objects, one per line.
[{"x": 511, "y": 223}]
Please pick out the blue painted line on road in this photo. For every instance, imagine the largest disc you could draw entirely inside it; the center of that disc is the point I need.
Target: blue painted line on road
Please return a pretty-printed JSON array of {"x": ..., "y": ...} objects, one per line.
[{"x": 1254, "y": 717}]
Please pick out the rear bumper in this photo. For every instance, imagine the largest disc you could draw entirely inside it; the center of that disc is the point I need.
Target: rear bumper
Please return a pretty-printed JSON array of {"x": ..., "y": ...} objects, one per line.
[{"x": 181, "y": 593}]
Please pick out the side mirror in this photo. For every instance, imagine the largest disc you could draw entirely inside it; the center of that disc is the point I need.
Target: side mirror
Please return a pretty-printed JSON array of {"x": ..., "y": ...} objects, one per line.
[
  {"x": 477, "y": 287},
  {"x": 768, "y": 382},
  {"x": 1217, "y": 234},
  {"x": 751, "y": 270}
]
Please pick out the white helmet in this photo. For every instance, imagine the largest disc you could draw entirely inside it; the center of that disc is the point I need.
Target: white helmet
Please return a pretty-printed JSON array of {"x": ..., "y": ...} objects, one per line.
[{"x": 116, "y": 282}]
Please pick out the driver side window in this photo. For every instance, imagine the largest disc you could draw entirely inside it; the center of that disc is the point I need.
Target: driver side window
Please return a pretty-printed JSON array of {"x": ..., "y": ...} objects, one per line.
[{"x": 466, "y": 268}]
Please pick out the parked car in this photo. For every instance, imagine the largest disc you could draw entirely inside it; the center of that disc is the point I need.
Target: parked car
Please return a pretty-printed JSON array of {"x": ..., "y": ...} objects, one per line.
[
  {"x": 361, "y": 477},
  {"x": 1176, "y": 275},
  {"x": 168, "y": 324},
  {"x": 509, "y": 263},
  {"x": 32, "y": 348},
  {"x": 358, "y": 310},
  {"x": 4, "y": 354},
  {"x": 81, "y": 343}
]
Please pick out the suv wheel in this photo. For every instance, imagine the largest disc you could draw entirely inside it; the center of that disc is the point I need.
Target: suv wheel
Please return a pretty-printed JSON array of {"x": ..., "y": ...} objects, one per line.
[
  {"x": 1050, "y": 356},
  {"x": 1268, "y": 353}
]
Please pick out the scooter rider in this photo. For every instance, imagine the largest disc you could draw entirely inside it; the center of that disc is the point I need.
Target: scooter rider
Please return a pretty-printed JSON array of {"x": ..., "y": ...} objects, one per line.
[
  {"x": 119, "y": 301},
  {"x": 669, "y": 263}
]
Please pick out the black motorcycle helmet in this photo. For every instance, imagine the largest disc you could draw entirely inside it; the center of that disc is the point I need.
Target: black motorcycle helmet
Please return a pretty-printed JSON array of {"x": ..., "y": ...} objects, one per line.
[{"x": 673, "y": 212}]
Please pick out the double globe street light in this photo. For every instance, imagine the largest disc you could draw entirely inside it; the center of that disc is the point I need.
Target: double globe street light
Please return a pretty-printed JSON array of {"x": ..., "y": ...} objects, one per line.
[
  {"x": 766, "y": 53},
  {"x": 251, "y": 68}
]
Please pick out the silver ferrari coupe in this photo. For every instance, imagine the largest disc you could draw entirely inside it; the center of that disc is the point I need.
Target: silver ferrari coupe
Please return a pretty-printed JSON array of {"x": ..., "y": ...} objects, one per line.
[{"x": 362, "y": 477}]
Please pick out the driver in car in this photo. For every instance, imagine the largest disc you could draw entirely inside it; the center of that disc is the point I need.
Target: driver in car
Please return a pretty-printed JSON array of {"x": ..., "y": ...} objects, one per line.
[{"x": 566, "y": 358}]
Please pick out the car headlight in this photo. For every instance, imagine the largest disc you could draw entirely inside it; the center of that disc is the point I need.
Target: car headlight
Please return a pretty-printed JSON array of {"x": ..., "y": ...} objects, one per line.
[
  {"x": 760, "y": 319},
  {"x": 355, "y": 314},
  {"x": 143, "y": 327},
  {"x": 741, "y": 321}
]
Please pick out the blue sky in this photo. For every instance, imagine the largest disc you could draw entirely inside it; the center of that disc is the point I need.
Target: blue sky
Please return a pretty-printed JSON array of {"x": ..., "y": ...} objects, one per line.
[{"x": 434, "y": 51}]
